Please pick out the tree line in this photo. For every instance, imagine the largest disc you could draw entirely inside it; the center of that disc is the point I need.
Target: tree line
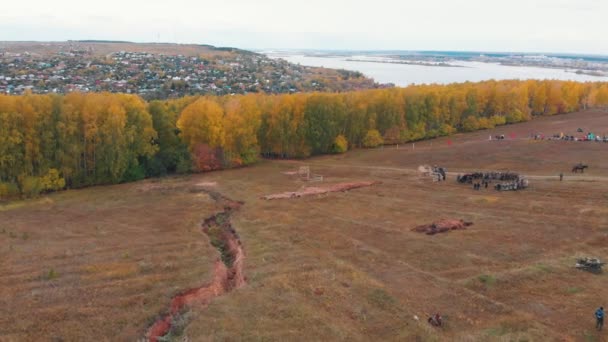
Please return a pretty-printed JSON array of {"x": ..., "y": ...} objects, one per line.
[{"x": 50, "y": 142}]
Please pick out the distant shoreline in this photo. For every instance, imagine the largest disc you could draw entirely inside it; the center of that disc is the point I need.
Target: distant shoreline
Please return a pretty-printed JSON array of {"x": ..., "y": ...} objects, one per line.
[{"x": 443, "y": 65}]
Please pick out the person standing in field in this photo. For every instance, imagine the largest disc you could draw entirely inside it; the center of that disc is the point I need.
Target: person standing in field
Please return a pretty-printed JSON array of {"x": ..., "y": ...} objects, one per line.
[
  {"x": 561, "y": 176},
  {"x": 599, "y": 316}
]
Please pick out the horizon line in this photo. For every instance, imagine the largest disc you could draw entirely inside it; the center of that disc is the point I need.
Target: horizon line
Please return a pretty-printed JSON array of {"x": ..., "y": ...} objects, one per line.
[{"x": 257, "y": 49}]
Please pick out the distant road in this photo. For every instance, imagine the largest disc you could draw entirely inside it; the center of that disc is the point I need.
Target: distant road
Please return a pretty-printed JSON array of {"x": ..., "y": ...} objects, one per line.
[{"x": 567, "y": 177}]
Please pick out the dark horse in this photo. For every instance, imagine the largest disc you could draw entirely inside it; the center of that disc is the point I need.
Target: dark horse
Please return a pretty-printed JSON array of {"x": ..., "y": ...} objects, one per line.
[{"x": 579, "y": 167}]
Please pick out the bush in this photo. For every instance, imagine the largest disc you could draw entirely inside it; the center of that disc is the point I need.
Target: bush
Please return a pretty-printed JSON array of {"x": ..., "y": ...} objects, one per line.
[
  {"x": 184, "y": 165},
  {"x": 392, "y": 135},
  {"x": 340, "y": 144},
  {"x": 250, "y": 156},
  {"x": 8, "y": 190},
  {"x": 470, "y": 124},
  {"x": 516, "y": 116},
  {"x": 433, "y": 133},
  {"x": 417, "y": 132},
  {"x": 133, "y": 173},
  {"x": 485, "y": 123},
  {"x": 31, "y": 186},
  {"x": 51, "y": 274},
  {"x": 498, "y": 120},
  {"x": 52, "y": 181},
  {"x": 487, "y": 279},
  {"x": 446, "y": 129},
  {"x": 372, "y": 138}
]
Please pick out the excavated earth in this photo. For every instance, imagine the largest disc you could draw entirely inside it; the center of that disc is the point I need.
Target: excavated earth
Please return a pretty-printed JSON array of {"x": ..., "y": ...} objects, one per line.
[
  {"x": 442, "y": 226},
  {"x": 310, "y": 191},
  {"x": 228, "y": 268}
]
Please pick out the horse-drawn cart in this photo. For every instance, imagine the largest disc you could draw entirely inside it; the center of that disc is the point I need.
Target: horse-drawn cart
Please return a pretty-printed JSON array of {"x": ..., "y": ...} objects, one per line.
[{"x": 589, "y": 264}]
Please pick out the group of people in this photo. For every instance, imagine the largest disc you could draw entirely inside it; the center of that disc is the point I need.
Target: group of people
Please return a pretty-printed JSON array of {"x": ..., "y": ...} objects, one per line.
[
  {"x": 586, "y": 137},
  {"x": 504, "y": 180},
  {"x": 487, "y": 176},
  {"x": 478, "y": 185}
]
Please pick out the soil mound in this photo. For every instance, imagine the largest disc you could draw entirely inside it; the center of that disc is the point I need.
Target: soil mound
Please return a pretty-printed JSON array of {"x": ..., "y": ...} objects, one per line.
[
  {"x": 442, "y": 226},
  {"x": 310, "y": 191}
]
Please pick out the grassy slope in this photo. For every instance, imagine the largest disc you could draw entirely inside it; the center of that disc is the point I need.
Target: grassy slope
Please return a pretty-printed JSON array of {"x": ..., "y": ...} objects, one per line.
[{"x": 118, "y": 254}]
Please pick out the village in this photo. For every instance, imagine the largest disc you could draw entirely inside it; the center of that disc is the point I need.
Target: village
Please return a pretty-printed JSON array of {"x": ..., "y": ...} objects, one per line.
[{"x": 160, "y": 76}]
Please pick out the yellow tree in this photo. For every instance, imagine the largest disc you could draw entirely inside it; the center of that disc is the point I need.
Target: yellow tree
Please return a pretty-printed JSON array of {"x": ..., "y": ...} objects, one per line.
[
  {"x": 11, "y": 140},
  {"x": 201, "y": 126},
  {"x": 241, "y": 123}
]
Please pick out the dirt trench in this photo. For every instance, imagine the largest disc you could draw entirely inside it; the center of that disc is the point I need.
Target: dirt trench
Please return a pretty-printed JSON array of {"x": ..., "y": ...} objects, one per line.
[
  {"x": 313, "y": 190},
  {"x": 228, "y": 269}
]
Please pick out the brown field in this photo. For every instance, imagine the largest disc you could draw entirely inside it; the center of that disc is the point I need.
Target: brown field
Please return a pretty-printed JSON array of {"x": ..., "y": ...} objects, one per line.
[
  {"x": 106, "y": 48},
  {"x": 103, "y": 263}
]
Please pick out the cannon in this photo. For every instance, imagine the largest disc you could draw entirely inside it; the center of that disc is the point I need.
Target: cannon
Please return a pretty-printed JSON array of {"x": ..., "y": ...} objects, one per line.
[{"x": 589, "y": 264}]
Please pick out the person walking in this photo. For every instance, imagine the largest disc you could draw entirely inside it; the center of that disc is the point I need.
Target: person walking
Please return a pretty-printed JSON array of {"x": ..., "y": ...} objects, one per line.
[
  {"x": 599, "y": 317},
  {"x": 561, "y": 176}
]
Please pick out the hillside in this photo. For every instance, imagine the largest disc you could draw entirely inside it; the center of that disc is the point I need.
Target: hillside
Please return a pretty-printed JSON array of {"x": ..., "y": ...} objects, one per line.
[{"x": 159, "y": 70}]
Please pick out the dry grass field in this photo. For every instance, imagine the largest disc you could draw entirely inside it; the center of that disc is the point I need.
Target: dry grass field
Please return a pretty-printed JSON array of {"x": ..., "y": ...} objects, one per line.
[
  {"x": 106, "y": 48},
  {"x": 103, "y": 263}
]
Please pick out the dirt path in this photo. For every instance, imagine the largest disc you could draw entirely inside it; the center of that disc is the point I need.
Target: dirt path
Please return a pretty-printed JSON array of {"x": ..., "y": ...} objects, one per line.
[
  {"x": 567, "y": 177},
  {"x": 228, "y": 269}
]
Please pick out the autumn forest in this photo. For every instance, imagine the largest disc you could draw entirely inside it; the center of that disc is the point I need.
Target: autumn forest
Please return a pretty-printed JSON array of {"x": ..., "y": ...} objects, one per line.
[{"x": 51, "y": 142}]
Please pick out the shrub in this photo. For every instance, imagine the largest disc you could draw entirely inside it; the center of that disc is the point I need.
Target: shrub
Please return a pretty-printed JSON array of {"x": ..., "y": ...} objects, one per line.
[
  {"x": 432, "y": 133},
  {"x": 416, "y": 132},
  {"x": 485, "y": 123},
  {"x": 207, "y": 158},
  {"x": 487, "y": 279},
  {"x": 8, "y": 190},
  {"x": 498, "y": 120},
  {"x": 516, "y": 116},
  {"x": 392, "y": 135},
  {"x": 470, "y": 124},
  {"x": 51, "y": 274},
  {"x": 250, "y": 156},
  {"x": 31, "y": 186},
  {"x": 372, "y": 138},
  {"x": 52, "y": 181},
  {"x": 184, "y": 165},
  {"x": 134, "y": 173},
  {"x": 340, "y": 144},
  {"x": 446, "y": 129}
]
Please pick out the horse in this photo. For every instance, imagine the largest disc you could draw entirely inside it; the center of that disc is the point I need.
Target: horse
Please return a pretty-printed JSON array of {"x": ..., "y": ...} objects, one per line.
[
  {"x": 435, "y": 320},
  {"x": 579, "y": 167}
]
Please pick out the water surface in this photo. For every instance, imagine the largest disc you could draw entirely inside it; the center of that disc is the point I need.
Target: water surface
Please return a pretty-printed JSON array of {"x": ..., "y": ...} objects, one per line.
[{"x": 405, "y": 74}]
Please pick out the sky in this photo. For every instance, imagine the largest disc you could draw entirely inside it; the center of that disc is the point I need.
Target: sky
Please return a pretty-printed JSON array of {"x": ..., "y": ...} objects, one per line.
[{"x": 573, "y": 26}]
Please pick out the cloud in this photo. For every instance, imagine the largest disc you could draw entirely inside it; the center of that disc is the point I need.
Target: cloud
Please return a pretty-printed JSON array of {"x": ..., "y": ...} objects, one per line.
[{"x": 527, "y": 25}]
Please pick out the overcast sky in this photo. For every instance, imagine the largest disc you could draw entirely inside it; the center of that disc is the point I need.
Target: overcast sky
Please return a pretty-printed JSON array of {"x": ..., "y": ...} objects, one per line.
[{"x": 579, "y": 26}]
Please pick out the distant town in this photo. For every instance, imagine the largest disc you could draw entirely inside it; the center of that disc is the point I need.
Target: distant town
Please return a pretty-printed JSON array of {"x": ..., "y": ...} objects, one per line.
[{"x": 85, "y": 67}]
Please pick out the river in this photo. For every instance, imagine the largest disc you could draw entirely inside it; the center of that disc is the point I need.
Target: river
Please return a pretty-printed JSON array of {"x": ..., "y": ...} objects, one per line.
[{"x": 407, "y": 74}]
